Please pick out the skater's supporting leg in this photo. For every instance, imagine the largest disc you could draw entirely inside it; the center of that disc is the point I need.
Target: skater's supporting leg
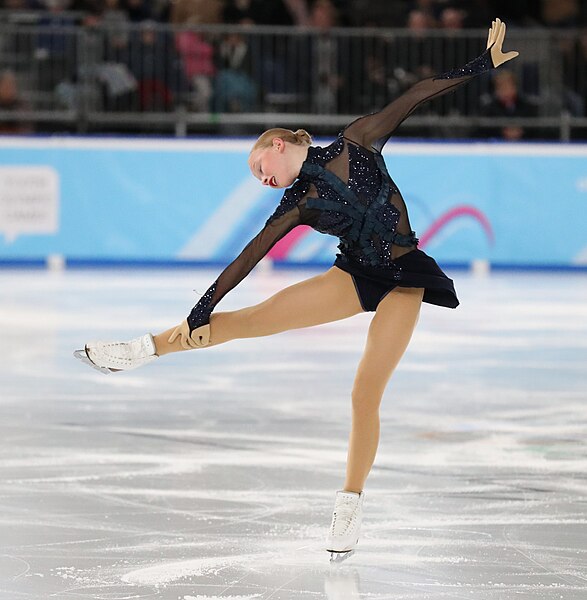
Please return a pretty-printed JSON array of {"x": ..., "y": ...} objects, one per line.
[
  {"x": 327, "y": 297},
  {"x": 389, "y": 334}
]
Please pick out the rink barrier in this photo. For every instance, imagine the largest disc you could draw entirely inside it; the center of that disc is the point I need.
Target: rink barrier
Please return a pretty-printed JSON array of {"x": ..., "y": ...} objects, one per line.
[
  {"x": 160, "y": 77},
  {"x": 166, "y": 202},
  {"x": 103, "y": 264}
]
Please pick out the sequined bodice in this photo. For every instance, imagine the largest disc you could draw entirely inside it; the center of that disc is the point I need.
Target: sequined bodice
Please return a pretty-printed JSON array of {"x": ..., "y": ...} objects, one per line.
[
  {"x": 344, "y": 190},
  {"x": 356, "y": 201}
]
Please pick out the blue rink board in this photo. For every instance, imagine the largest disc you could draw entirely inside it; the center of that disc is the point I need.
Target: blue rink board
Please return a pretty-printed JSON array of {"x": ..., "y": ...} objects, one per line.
[{"x": 161, "y": 201}]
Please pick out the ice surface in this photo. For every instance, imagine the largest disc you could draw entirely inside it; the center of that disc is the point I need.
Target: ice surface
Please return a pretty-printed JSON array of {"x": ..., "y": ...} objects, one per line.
[{"x": 212, "y": 474}]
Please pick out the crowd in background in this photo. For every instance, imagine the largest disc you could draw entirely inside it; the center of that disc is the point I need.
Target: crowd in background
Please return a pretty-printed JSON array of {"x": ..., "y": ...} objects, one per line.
[
  {"x": 351, "y": 13},
  {"x": 143, "y": 68}
]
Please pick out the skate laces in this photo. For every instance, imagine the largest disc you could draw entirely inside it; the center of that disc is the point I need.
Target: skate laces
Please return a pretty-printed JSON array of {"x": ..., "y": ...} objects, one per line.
[
  {"x": 130, "y": 350},
  {"x": 343, "y": 514}
]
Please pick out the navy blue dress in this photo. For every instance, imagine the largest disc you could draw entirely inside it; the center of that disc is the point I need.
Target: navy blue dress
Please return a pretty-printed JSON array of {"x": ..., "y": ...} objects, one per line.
[{"x": 344, "y": 190}]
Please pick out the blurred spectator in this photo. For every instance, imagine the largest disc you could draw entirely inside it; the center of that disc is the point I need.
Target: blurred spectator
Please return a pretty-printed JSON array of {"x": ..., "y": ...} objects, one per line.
[
  {"x": 574, "y": 54},
  {"x": 457, "y": 50},
  {"x": 374, "y": 90},
  {"x": 11, "y": 100},
  {"x": 372, "y": 13},
  {"x": 119, "y": 78},
  {"x": 261, "y": 12},
  {"x": 326, "y": 59},
  {"x": 429, "y": 7},
  {"x": 561, "y": 13},
  {"x": 520, "y": 13},
  {"x": 420, "y": 21},
  {"x": 299, "y": 11},
  {"x": 241, "y": 11},
  {"x": 416, "y": 56},
  {"x": 55, "y": 53},
  {"x": 506, "y": 101},
  {"x": 84, "y": 89},
  {"x": 280, "y": 65},
  {"x": 137, "y": 10},
  {"x": 479, "y": 14},
  {"x": 21, "y": 5},
  {"x": 196, "y": 11},
  {"x": 405, "y": 61},
  {"x": 273, "y": 12},
  {"x": 452, "y": 18},
  {"x": 419, "y": 58},
  {"x": 266, "y": 12},
  {"x": 85, "y": 6},
  {"x": 197, "y": 58},
  {"x": 108, "y": 80},
  {"x": 235, "y": 90},
  {"x": 114, "y": 20},
  {"x": 153, "y": 62},
  {"x": 161, "y": 10}
]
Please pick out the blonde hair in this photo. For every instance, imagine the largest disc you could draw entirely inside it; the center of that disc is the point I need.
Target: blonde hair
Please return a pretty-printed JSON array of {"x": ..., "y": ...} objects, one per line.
[{"x": 300, "y": 137}]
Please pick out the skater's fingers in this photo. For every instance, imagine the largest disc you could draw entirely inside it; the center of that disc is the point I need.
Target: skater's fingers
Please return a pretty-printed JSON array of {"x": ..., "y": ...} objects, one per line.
[
  {"x": 201, "y": 336},
  {"x": 195, "y": 340},
  {"x": 191, "y": 341},
  {"x": 174, "y": 335},
  {"x": 186, "y": 342},
  {"x": 500, "y": 35},
  {"x": 491, "y": 36}
]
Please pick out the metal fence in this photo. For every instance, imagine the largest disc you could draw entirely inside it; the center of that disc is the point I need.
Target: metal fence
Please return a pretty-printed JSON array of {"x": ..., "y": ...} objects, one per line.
[{"x": 154, "y": 77}]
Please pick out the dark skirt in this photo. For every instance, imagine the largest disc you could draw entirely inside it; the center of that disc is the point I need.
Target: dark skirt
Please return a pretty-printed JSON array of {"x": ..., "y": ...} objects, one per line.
[{"x": 417, "y": 269}]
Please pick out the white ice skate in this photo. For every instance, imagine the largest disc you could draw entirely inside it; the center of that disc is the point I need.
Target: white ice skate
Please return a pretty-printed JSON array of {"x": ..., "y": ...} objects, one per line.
[
  {"x": 346, "y": 525},
  {"x": 109, "y": 357}
]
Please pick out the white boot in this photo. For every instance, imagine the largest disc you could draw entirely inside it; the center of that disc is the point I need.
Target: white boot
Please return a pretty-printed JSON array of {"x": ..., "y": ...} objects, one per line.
[
  {"x": 108, "y": 357},
  {"x": 346, "y": 522}
]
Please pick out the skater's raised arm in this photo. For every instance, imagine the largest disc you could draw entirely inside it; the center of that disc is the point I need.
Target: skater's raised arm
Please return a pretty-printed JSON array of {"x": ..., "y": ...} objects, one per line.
[{"x": 375, "y": 129}]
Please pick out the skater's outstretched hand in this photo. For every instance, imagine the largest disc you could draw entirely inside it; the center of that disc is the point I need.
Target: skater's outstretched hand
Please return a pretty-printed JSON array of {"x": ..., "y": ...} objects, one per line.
[
  {"x": 199, "y": 337},
  {"x": 495, "y": 37}
]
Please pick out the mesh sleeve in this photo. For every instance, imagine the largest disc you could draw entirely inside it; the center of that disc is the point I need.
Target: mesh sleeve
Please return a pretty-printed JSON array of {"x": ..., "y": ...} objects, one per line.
[
  {"x": 374, "y": 130},
  {"x": 282, "y": 221}
]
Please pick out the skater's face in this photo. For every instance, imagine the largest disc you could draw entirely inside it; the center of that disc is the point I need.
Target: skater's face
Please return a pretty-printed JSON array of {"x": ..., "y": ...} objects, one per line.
[{"x": 275, "y": 166}]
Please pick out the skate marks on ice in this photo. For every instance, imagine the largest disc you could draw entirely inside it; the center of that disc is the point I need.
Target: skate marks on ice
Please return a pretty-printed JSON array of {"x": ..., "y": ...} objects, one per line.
[
  {"x": 213, "y": 474},
  {"x": 440, "y": 532}
]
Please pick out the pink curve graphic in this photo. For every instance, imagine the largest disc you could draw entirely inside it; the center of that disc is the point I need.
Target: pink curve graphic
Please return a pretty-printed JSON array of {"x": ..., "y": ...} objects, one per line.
[
  {"x": 451, "y": 215},
  {"x": 284, "y": 246},
  {"x": 282, "y": 249}
]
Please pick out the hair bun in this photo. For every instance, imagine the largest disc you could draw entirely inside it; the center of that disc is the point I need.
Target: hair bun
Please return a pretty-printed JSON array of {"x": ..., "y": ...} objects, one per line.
[{"x": 303, "y": 136}]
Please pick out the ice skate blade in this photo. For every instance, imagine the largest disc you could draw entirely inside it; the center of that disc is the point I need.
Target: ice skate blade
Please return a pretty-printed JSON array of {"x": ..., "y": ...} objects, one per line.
[
  {"x": 338, "y": 557},
  {"x": 83, "y": 356}
]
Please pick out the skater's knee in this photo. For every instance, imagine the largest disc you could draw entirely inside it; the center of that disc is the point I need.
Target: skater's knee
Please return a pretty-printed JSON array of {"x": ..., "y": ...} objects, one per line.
[{"x": 365, "y": 401}]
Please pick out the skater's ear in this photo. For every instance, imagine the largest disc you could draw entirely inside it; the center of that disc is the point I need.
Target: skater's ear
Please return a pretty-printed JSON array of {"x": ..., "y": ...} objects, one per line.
[{"x": 278, "y": 144}]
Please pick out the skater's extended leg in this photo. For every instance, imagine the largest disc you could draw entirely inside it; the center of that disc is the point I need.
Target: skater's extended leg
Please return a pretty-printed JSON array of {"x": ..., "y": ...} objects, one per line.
[
  {"x": 389, "y": 334},
  {"x": 327, "y": 297}
]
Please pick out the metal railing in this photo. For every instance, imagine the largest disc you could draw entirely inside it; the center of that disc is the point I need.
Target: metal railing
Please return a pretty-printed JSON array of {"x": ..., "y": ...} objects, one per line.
[{"x": 151, "y": 77}]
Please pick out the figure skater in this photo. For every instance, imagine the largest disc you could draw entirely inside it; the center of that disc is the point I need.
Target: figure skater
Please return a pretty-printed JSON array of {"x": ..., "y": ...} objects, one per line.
[{"x": 344, "y": 190}]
